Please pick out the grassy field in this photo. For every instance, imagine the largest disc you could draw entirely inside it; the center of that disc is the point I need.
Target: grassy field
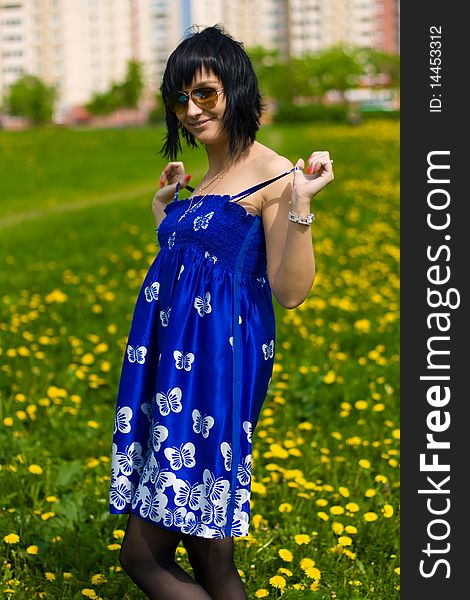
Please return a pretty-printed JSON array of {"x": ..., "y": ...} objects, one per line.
[{"x": 77, "y": 236}]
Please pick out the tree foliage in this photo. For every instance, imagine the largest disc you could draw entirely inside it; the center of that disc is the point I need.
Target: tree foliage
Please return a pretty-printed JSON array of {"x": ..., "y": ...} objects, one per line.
[
  {"x": 125, "y": 94},
  {"x": 31, "y": 98}
]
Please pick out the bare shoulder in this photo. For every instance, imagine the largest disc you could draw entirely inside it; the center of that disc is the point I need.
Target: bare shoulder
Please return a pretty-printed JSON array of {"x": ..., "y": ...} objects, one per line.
[{"x": 269, "y": 163}]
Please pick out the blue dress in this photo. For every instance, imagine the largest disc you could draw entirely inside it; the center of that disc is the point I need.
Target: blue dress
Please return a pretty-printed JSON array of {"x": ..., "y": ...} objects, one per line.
[{"x": 196, "y": 371}]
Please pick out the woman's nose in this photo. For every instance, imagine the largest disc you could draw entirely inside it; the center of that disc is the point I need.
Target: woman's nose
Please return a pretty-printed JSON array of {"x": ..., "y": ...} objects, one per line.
[{"x": 193, "y": 109}]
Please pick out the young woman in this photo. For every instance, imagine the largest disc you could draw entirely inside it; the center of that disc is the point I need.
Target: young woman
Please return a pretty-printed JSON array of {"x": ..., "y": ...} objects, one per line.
[{"x": 201, "y": 345}]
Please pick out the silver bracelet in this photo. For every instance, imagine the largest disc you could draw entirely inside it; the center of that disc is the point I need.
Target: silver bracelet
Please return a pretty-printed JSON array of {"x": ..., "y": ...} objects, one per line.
[{"x": 302, "y": 220}]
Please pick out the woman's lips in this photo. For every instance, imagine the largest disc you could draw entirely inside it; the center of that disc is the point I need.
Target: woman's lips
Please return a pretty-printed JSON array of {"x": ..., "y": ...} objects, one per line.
[{"x": 200, "y": 124}]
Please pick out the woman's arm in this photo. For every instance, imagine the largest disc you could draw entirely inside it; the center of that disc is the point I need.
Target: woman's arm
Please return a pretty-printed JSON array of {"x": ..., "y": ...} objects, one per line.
[
  {"x": 172, "y": 174},
  {"x": 289, "y": 246}
]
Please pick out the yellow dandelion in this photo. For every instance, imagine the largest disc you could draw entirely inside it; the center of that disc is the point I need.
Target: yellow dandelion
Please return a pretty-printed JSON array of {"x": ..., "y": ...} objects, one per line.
[
  {"x": 256, "y": 520},
  {"x": 306, "y": 563},
  {"x": 113, "y": 547},
  {"x": 32, "y": 549},
  {"x": 67, "y": 576},
  {"x": 336, "y": 510},
  {"x": 370, "y": 517},
  {"x": 35, "y": 469},
  {"x": 361, "y": 405},
  {"x": 352, "y": 507},
  {"x": 285, "y": 507},
  {"x": 344, "y": 540},
  {"x": 8, "y": 421},
  {"x": 302, "y": 538},
  {"x": 261, "y": 593},
  {"x": 98, "y": 579},
  {"x": 278, "y": 582},
  {"x": 344, "y": 491},
  {"x": 305, "y": 426},
  {"x": 350, "y": 529},
  {"x": 11, "y": 538},
  {"x": 89, "y": 593},
  {"x": 313, "y": 573},
  {"x": 315, "y": 586},
  {"x": 286, "y": 555},
  {"x": 355, "y": 582},
  {"x": 337, "y": 527},
  {"x": 397, "y": 570},
  {"x": 49, "y": 576},
  {"x": 370, "y": 493},
  {"x": 330, "y": 377},
  {"x": 93, "y": 424},
  {"x": 381, "y": 479},
  {"x": 322, "y": 515},
  {"x": 364, "y": 463},
  {"x": 118, "y": 534},
  {"x": 396, "y": 434},
  {"x": 387, "y": 511}
]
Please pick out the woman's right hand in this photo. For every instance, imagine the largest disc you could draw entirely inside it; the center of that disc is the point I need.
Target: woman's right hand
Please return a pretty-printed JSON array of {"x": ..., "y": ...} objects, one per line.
[{"x": 171, "y": 175}]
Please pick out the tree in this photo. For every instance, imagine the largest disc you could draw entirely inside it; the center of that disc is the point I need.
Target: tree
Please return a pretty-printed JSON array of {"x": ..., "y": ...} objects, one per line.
[
  {"x": 125, "y": 94},
  {"x": 31, "y": 98}
]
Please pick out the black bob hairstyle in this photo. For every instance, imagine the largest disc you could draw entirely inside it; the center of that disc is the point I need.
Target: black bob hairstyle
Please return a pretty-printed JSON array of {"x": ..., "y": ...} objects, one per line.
[{"x": 216, "y": 51}]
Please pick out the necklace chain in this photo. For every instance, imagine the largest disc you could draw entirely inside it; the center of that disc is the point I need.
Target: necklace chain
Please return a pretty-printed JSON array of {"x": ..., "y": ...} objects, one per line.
[{"x": 211, "y": 186}]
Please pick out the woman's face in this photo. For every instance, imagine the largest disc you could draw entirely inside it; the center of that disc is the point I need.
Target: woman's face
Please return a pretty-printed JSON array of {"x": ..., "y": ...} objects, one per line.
[{"x": 204, "y": 124}]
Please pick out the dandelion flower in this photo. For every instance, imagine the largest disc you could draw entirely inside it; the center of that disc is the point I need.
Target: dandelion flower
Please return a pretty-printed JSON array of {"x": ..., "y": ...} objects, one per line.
[
  {"x": 278, "y": 582},
  {"x": 302, "y": 538},
  {"x": 387, "y": 511},
  {"x": 98, "y": 578},
  {"x": 49, "y": 576},
  {"x": 11, "y": 538},
  {"x": 344, "y": 491},
  {"x": 313, "y": 573},
  {"x": 285, "y": 507},
  {"x": 8, "y": 421},
  {"x": 352, "y": 507},
  {"x": 364, "y": 463},
  {"x": 286, "y": 555},
  {"x": 118, "y": 534},
  {"x": 337, "y": 510},
  {"x": 285, "y": 571},
  {"x": 114, "y": 547},
  {"x": 350, "y": 529},
  {"x": 344, "y": 540},
  {"x": 306, "y": 563},
  {"x": 370, "y": 516},
  {"x": 261, "y": 593},
  {"x": 323, "y": 516},
  {"x": 35, "y": 469},
  {"x": 89, "y": 593},
  {"x": 32, "y": 549}
]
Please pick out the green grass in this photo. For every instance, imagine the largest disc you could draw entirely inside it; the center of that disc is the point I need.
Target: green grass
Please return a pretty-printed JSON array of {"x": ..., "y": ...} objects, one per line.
[{"x": 78, "y": 235}]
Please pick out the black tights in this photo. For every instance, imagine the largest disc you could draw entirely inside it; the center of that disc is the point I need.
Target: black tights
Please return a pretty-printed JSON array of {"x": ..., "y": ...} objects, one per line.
[{"x": 148, "y": 557}]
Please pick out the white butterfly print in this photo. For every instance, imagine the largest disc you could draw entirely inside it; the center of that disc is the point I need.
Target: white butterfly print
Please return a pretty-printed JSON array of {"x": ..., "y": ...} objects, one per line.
[
  {"x": 121, "y": 492},
  {"x": 215, "y": 489},
  {"x": 202, "y": 424},
  {"x": 181, "y": 270},
  {"x": 240, "y": 523},
  {"x": 153, "y": 506},
  {"x": 192, "y": 525},
  {"x": 202, "y": 222},
  {"x": 130, "y": 459},
  {"x": 214, "y": 514},
  {"x": 182, "y": 456},
  {"x": 122, "y": 420},
  {"x": 165, "y": 317},
  {"x": 203, "y": 304},
  {"x": 136, "y": 353},
  {"x": 147, "y": 409},
  {"x": 161, "y": 478},
  {"x": 244, "y": 471},
  {"x": 212, "y": 258},
  {"x": 185, "y": 493},
  {"x": 262, "y": 280},
  {"x": 183, "y": 361},
  {"x": 190, "y": 210},
  {"x": 151, "y": 291},
  {"x": 248, "y": 429},
  {"x": 241, "y": 496},
  {"x": 268, "y": 350},
  {"x": 226, "y": 450},
  {"x": 175, "y": 517},
  {"x": 171, "y": 240},
  {"x": 159, "y": 435},
  {"x": 169, "y": 402}
]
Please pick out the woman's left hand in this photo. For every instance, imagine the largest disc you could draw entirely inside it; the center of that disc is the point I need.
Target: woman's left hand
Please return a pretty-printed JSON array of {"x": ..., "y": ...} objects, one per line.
[{"x": 319, "y": 173}]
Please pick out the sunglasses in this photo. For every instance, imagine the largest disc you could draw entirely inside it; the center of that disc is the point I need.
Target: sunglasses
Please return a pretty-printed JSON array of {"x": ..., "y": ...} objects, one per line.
[{"x": 204, "y": 97}]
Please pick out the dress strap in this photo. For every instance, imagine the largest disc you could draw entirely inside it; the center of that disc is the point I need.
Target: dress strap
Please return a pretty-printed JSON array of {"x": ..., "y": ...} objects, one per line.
[
  {"x": 261, "y": 185},
  {"x": 188, "y": 187}
]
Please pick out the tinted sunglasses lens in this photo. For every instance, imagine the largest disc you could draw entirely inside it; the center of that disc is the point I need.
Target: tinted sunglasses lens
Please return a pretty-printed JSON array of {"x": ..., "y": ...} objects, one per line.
[
  {"x": 177, "y": 102},
  {"x": 205, "y": 97}
]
